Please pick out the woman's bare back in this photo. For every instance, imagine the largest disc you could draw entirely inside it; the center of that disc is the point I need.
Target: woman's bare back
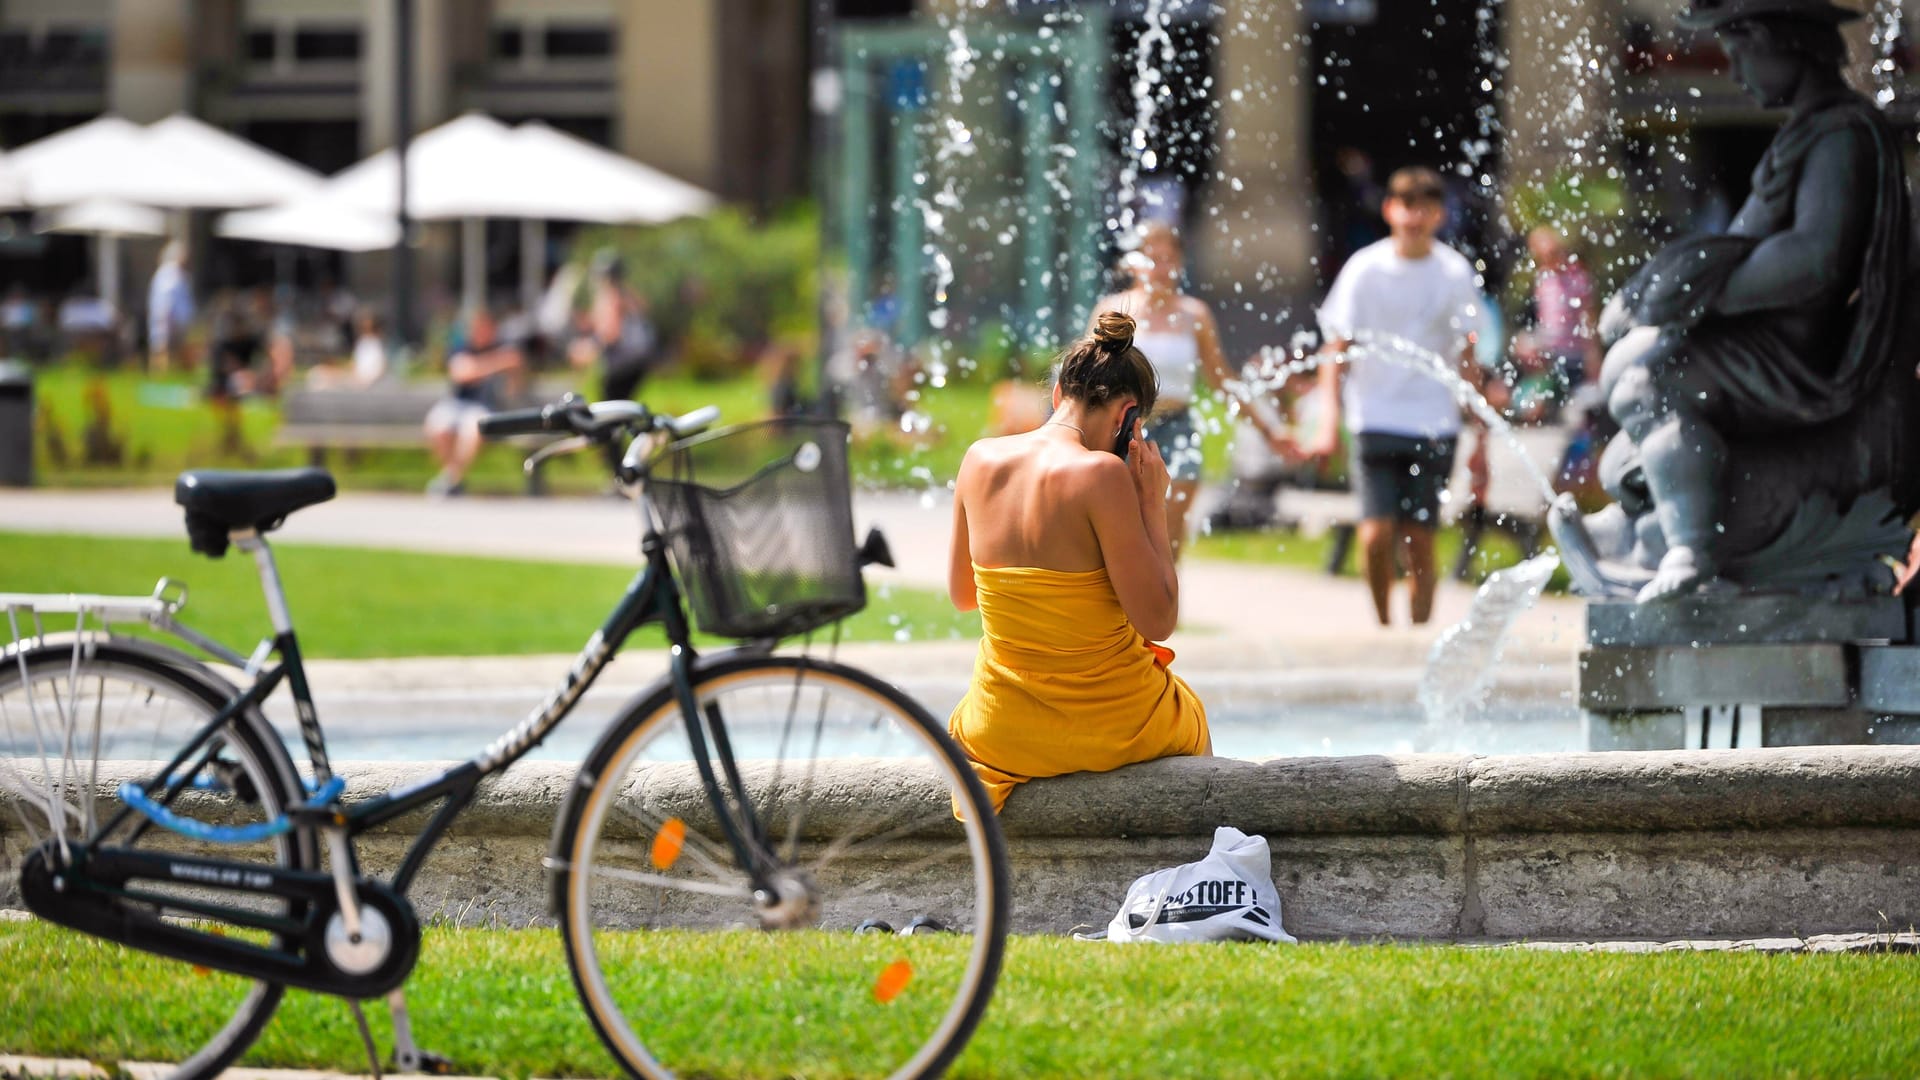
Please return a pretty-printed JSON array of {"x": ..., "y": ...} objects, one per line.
[{"x": 1025, "y": 501}]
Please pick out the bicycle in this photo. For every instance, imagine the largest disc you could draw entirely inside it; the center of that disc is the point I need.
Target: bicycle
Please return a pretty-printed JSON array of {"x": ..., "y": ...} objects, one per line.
[{"x": 710, "y": 830}]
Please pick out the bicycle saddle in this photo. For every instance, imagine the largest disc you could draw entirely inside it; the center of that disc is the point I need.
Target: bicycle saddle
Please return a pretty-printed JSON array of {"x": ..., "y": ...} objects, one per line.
[{"x": 220, "y": 501}]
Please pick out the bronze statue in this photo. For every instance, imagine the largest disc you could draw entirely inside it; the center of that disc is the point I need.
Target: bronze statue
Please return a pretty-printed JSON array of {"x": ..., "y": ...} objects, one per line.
[{"x": 1766, "y": 405}]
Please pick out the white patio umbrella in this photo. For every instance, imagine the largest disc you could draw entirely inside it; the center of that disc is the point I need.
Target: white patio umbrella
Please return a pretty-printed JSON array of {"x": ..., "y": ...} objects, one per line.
[
  {"x": 106, "y": 158},
  {"x": 474, "y": 167},
  {"x": 454, "y": 172},
  {"x": 179, "y": 163},
  {"x": 246, "y": 175},
  {"x": 601, "y": 186},
  {"x": 107, "y": 220},
  {"x": 315, "y": 221},
  {"x": 10, "y": 192}
]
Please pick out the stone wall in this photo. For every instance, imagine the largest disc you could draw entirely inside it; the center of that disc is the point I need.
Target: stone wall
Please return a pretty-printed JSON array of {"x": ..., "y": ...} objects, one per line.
[{"x": 1750, "y": 843}]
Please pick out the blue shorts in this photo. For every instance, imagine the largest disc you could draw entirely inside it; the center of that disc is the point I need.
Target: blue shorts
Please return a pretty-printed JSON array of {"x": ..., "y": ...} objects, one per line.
[{"x": 1179, "y": 442}]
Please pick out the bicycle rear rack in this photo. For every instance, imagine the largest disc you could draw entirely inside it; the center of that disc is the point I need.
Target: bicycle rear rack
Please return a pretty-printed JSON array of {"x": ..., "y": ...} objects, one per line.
[{"x": 26, "y": 618}]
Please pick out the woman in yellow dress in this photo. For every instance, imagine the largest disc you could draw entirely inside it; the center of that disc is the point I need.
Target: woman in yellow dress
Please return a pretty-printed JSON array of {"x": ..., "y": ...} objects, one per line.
[{"x": 1063, "y": 548}]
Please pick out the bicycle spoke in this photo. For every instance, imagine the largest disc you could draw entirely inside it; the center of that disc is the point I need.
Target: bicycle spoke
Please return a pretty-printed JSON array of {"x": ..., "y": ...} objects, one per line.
[
  {"x": 906, "y": 872},
  {"x": 709, "y": 854},
  {"x": 806, "y": 793},
  {"x": 841, "y": 847},
  {"x": 663, "y": 881}
]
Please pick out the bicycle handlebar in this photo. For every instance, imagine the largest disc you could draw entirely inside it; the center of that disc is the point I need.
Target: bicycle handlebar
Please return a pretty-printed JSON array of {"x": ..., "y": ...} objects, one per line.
[
  {"x": 557, "y": 417},
  {"x": 571, "y": 415}
]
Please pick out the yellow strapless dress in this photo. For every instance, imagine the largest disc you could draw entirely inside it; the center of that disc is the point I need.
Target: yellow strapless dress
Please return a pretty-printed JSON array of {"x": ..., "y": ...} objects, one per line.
[{"x": 1064, "y": 683}]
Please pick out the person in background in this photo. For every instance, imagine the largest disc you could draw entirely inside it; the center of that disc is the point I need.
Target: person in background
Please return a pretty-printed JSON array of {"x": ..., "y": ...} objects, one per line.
[
  {"x": 1405, "y": 423},
  {"x": 620, "y": 337},
  {"x": 1062, "y": 546},
  {"x": 369, "y": 350},
  {"x": 480, "y": 373},
  {"x": 1566, "y": 318},
  {"x": 368, "y": 364},
  {"x": 169, "y": 310},
  {"x": 20, "y": 328},
  {"x": 236, "y": 336},
  {"x": 1178, "y": 336}
]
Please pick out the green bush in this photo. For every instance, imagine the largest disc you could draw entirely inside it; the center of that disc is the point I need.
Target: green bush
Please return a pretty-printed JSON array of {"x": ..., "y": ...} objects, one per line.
[{"x": 722, "y": 284}]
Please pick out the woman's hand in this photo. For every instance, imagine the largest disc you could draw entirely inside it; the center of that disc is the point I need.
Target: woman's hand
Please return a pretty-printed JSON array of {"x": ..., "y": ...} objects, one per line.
[{"x": 1150, "y": 479}]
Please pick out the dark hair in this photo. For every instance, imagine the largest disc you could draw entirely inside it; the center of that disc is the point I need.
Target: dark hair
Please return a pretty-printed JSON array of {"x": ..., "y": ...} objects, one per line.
[
  {"x": 1105, "y": 365},
  {"x": 1416, "y": 183}
]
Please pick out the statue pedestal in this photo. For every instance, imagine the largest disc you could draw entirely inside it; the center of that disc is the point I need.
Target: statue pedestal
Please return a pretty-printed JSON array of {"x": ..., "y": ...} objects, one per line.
[{"x": 1776, "y": 670}]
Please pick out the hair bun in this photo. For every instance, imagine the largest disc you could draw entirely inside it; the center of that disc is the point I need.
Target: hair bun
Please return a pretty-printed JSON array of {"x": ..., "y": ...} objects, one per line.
[{"x": 1114, "y": 330}]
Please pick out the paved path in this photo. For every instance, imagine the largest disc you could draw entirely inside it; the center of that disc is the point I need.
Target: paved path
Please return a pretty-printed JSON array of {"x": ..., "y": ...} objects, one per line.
[{"x": 1237, "y": 615}]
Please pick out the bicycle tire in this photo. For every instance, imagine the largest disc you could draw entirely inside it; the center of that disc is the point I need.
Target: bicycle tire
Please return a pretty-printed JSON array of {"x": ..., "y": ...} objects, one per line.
[
  {"x": 51, "y": 668},
  {"x": 613, "y": 777}
]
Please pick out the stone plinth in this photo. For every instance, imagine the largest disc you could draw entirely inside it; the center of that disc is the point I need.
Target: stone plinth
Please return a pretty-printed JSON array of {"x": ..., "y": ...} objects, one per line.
[{"x": 1777, "y": 670}]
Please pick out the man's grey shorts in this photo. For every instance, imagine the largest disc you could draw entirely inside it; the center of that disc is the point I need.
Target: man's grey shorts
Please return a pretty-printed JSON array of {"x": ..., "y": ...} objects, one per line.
[
  {"x": 1401, "y": 477},
  {"x": 1178, "y": 438}
]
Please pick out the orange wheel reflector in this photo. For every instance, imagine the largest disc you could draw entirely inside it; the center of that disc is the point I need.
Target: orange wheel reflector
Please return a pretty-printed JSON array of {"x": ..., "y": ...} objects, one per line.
[
  {"x": 667, "y": 845},
  {"x": 893, "y": 979}
]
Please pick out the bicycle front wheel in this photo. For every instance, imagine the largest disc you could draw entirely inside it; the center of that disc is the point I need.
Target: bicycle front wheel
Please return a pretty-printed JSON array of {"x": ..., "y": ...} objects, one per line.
[
  {"x": 77, "y": 719},
  {"x": 876, "y": 950}
]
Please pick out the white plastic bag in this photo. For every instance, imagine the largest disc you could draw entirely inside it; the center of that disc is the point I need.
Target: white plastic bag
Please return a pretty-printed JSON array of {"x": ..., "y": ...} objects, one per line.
[{"x": 1227, "y": 896}]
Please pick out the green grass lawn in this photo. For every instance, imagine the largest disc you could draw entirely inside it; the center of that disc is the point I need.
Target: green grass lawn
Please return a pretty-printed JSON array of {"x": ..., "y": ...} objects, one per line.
[
  {"x": 500, "y": 1002},
  {"x": 354, "y": 603},
  {"x": 163, "y": 425}
]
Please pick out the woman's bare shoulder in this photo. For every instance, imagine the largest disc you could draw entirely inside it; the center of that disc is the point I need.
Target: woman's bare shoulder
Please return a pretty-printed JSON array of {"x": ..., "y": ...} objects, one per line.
[
  {"x": 1092, "y": 472},
  {"x": 989, "y": 456}
]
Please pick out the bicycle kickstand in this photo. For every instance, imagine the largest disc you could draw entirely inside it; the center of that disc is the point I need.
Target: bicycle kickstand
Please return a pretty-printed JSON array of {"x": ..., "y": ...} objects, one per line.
[{"x": 407, "y": 1055}]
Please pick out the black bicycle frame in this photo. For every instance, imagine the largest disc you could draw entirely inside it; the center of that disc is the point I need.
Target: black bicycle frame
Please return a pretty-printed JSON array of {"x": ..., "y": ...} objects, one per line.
[{"x": 654, "y": 596}]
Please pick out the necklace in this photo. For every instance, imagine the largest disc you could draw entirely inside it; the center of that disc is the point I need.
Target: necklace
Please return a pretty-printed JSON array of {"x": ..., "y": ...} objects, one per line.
[{"x": 1069, "y": 427}]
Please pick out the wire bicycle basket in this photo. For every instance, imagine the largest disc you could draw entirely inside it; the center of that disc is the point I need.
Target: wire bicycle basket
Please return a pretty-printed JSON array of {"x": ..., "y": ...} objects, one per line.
[{"x": 759, "y": 521}]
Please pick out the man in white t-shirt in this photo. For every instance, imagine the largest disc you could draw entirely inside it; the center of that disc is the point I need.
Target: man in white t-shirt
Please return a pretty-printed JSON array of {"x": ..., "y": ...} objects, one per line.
[{"x": 1406, "y": 290}]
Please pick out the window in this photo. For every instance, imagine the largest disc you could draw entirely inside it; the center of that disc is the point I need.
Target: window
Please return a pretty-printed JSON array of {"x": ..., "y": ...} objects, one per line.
[
  {"x": 328, "y": 44},
  {"x": 508, "y": 42},
  {"x": 579, "y": 42},
  {"x": 260, "y": 46}
]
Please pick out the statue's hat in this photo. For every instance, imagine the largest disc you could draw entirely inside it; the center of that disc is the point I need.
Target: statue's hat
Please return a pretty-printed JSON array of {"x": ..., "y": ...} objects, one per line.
[{"x": 1713, "y": 14}]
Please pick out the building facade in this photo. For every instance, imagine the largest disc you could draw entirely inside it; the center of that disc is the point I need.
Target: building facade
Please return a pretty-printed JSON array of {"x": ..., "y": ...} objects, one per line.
[{"x": 712, "y": 91}]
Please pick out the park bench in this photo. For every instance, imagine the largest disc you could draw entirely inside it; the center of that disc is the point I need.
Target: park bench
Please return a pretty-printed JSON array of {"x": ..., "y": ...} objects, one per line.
[{"x": 385, "y": 416}]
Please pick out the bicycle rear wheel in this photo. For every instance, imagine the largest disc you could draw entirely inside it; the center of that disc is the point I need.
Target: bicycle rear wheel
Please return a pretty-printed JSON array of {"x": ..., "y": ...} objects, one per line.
[
  {"x": 76, "y": 720},
  {"x": 684, "y": 971}
]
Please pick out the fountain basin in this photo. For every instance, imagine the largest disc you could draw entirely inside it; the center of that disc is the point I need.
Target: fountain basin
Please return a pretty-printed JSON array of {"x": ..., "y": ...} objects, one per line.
[{"x": 1741, "y": 843}]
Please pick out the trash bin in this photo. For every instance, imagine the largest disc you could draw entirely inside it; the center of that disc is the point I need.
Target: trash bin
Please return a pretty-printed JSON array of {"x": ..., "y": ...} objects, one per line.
[{"x": 16, "y": 424}]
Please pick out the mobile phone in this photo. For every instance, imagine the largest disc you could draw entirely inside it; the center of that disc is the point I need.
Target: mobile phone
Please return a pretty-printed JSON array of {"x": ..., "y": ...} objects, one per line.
[{"x": 1125, "y": 437}]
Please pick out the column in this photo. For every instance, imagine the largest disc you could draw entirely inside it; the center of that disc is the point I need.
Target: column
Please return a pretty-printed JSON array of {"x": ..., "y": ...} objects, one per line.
[
  {"x": 1255, "y": 229},
  {"x": 433, "y": 90},
  {"x": 1557, "y": 94},
  {"x": 435, "y": 250},
  {"x": 669, "y": 88},
  {"x": 151, "y": 73},
  {"x": 854, "y": 178}
]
